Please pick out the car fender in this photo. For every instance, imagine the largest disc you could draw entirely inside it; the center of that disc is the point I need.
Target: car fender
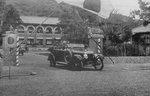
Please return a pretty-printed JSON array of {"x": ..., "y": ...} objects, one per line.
[{"x": 101, "y": 56}]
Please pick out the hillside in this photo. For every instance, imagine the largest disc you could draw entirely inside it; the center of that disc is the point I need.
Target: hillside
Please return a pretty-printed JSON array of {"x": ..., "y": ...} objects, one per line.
[
  {"x": 34, "y": 7},
  {"x": 46, "y": 7}
]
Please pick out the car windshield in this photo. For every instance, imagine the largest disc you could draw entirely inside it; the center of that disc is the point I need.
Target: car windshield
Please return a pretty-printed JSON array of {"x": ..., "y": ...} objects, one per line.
[{"x": 78, "y": 49}]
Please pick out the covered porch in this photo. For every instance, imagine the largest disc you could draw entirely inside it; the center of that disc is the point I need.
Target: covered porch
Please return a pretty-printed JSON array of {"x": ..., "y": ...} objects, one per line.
[{"x": 141, "y": 39}]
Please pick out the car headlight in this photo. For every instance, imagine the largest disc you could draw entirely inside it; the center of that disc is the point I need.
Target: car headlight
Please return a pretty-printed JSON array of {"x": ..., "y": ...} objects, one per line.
[{"x": 99, "y": 56}]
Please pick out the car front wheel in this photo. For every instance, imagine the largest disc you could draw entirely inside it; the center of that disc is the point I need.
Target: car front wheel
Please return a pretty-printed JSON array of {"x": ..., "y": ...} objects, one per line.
[{"x": 78, "y": 61}]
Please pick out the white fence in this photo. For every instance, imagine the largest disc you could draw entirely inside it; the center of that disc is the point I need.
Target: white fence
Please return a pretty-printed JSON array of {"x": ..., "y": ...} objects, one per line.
[{"x": 128, "y": 59}]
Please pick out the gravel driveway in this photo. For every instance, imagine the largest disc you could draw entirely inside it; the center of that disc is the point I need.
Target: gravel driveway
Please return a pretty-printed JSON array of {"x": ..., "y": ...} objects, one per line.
[{"x": 114, "y": 80}]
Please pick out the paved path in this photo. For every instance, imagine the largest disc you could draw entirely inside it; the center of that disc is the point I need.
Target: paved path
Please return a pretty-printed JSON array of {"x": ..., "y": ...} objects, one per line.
[{"x": 114, "y": 80}]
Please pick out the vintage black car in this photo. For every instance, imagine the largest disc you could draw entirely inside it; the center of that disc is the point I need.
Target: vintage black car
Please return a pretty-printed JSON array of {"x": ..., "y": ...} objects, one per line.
[{"x": 75, "y": 56}]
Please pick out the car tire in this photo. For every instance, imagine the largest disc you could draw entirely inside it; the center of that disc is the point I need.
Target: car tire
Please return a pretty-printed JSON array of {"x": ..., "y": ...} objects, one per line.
[
  {"x": 99, "y": 64},
  {"x": 67, "y": 59}
]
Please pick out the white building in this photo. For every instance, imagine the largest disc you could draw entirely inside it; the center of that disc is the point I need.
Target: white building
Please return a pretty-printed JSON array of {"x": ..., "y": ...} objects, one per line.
[
  {"x": 141, "y": 35},
  {"x": 39, "y": 30}
]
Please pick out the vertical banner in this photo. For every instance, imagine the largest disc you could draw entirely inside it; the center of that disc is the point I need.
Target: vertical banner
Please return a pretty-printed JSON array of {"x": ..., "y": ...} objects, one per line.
[
  {"x": 17, "y": 52},
  {"x": 10, "y": 40},
  {"x": 9, "y": 45}
]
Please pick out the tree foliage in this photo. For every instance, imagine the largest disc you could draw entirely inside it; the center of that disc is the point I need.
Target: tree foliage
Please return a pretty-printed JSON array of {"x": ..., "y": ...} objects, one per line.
[
  {"x": 117, "y": 32},
  {"x": 143, "y": 12},
  {"x": 10, "y": 18},
  {"x": 11, "y": 15},
  {"x": 75, "y": 29},
  {"x": 35, "y": 7},
  {"x": 117, "y": 28}
]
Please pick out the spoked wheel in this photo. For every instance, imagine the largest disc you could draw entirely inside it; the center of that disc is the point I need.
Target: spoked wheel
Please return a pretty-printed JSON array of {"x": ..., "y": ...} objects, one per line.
[
  {"x": 78, "y": 63},
  {"x": 99, "y": 64},
  {"x": 66, "y": 58}
]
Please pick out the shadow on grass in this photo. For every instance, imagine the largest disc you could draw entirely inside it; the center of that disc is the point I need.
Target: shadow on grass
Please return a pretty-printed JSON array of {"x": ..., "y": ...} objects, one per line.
[{"x": 66, "y": 67}]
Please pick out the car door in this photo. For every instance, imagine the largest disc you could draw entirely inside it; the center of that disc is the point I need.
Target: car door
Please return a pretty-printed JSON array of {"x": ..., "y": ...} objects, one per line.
[{"x": 59, "y": 55}]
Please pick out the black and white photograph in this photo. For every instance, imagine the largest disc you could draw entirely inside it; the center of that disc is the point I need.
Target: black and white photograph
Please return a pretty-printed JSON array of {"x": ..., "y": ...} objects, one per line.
[{"x": 74, "y": 47}]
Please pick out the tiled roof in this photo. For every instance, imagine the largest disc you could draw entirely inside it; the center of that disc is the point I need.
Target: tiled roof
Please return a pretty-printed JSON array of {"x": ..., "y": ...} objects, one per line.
[
  {"x": 141, "y": 29},
  {"x": 39, "y": 20}
]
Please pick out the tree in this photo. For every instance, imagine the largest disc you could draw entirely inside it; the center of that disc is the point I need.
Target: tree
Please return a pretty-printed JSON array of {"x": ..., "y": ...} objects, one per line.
[
  {"x": 11, "y": 17},
  {"x": 2, "y": 4},
  {"x": 117, "y": 28},
  {"x": 143, "y": 12},
  {"x": 75, "y": 29},
  {"x": 117, "y": 32}
]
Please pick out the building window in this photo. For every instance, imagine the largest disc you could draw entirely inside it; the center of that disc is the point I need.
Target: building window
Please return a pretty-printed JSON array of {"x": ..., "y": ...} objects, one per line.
[
  {"x": 48, "y": 41},
  {"x": 30, "y": 29},
  {"x": 30, "y": 41},
  {"x": 20, "y": 29},
  {"x": 57, "y": 30},
  {"x": 40, "y": 41},
  {"x": 147, "y": 39},
  {"x": 49, "y": 30},
  {"x": 40, "y": 30}
]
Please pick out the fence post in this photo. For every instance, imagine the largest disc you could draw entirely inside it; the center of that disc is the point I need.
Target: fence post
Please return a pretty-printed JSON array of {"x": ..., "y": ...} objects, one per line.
[{"x": 17, "y": 52}]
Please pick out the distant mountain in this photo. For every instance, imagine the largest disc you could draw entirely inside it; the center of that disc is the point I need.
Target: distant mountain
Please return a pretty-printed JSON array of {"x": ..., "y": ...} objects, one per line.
[
  {"x": 47, "y": 7},
  {"x": 34, "y": 7}
]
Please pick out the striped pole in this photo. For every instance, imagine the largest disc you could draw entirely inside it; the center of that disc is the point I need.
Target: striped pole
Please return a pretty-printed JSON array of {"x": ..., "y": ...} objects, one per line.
[
  {"x": 99, "y": 46},
  {"x": 17, "y": 52}
]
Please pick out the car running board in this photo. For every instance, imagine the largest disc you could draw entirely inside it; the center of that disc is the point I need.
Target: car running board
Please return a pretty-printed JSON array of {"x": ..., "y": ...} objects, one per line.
[{"x": 65, "y": 63}]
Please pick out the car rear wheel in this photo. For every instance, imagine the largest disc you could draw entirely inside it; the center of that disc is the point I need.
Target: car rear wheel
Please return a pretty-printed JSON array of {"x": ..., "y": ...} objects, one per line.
[
  {"x": 78, "y": 61},
  {"x": 99, "y": 64}
]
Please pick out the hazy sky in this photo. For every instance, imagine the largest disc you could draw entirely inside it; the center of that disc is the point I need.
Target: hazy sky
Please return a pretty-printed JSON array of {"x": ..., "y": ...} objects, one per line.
[
  {"x": 121, "y": 6},
  {"x": 125, "y": 6}
]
